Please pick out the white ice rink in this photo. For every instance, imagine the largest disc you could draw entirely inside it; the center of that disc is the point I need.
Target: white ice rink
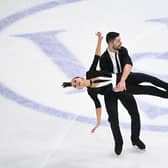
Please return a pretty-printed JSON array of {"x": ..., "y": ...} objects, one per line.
[{"x": 44, "y": 43}]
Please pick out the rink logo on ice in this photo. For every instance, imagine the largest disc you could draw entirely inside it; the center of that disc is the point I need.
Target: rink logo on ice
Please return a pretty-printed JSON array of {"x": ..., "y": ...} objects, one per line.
[{"x": 61, "y": 57}]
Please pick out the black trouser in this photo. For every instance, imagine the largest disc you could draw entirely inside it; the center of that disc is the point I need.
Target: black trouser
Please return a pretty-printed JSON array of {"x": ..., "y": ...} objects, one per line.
[
  {"x": 111, "y": 103},
  {"x": 135, "y": 79},
  {"x": 126, "y": 98}
]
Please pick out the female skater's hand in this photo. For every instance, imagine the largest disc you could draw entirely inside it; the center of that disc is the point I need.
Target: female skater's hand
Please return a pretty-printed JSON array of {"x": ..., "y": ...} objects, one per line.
[
  {"x": 94, "y": 129},
  {"x": 99, "y": 35}
]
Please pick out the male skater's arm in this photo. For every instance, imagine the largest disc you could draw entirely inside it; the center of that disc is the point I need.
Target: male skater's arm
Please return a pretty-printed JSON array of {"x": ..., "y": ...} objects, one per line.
[
  {"x": 98, "y": 108},
  {"x": 121, "y": 86}
]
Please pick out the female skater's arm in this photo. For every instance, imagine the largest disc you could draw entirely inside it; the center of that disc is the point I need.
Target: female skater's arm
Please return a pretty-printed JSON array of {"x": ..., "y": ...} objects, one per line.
[
  {"x": 97, "y": 53},
  {"x": 98, "y": 108},
  {"x": 98, "y": 117},
  {"x": 99, "y": 42}
]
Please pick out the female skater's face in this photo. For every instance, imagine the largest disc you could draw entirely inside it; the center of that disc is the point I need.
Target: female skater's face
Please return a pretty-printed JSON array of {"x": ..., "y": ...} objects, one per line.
[{"x": 78, "y": 83}]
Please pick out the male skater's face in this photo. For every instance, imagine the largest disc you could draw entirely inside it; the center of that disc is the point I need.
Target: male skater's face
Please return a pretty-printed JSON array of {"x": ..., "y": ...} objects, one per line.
[{"x": 116, "y": 43}]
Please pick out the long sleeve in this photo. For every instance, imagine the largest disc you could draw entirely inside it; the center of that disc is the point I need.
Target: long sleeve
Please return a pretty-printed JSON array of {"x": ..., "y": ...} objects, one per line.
[
  {"x": 104, "y": 64},
  {"x": 94, "y": 97},
  {"x": 94, "y": 63},
  {"x": 127, "y": 58}
]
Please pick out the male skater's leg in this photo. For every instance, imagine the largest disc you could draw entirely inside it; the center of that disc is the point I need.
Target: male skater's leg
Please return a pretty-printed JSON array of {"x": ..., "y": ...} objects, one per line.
[
  {"x": 112, "y": 110},
  {"x": 130, "y": 104}
]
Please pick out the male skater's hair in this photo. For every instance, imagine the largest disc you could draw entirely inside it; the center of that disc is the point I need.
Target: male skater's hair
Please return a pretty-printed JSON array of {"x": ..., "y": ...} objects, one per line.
[
  {"x": 111, "y": 36},
  {"x": 68, "y": 84}
]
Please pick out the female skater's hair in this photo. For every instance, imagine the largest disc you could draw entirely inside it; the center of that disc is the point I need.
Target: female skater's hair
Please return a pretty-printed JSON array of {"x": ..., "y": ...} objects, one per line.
[
  {"x": 68, "y": 84},
  {"x": 111, "y": 36}
]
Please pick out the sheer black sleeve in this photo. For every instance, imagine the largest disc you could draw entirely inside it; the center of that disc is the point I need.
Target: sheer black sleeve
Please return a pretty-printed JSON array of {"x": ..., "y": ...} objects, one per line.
[
  {"x": 94, "y": 63},
  {"x": 94, "y": 97}
]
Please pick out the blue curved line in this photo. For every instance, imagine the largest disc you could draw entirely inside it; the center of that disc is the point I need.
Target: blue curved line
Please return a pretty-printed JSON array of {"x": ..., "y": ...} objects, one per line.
[
  {"x": 163, "y": 20},
  {"x": 56, "y": 52},
  {"x": 154, "y": 55},
  {"x": 9, "y": 20}
]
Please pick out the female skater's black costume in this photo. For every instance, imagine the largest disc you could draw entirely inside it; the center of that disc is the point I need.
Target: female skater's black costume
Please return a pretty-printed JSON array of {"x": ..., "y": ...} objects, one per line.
[{"x": 133, "y": 82}]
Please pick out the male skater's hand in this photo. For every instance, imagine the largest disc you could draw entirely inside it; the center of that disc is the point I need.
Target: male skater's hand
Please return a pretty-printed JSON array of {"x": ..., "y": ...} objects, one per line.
[
  {"x": 121, "y": 86},
  {"x": 94, "y": 129}
]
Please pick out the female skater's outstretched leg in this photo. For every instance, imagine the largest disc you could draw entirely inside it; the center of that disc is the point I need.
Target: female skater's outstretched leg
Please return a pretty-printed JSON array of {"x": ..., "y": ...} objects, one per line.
[
  {"x": 137, "y": 78},
  {"x": 146, "y": 90}
]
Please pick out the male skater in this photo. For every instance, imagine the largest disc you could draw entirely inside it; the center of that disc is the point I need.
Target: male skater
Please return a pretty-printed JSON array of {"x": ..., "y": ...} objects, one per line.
[{"x": 117, "y": 60}]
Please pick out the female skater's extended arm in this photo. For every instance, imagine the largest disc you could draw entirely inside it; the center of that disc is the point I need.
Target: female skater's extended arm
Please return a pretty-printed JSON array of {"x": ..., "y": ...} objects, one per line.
[
  {"x": 98, "y": 118},
  {"x": 98, "y": 54},
  {"x": 99, "y": 42}
]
